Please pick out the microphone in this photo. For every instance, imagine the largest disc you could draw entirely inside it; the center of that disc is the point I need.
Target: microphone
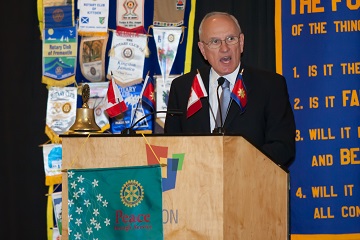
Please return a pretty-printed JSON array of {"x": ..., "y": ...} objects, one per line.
[
  {"x": 130, "y": 130},
  {"x": 219, "y": 129}
]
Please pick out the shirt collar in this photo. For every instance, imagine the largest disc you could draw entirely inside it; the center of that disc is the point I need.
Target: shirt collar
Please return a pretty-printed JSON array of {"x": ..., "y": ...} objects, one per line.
[{"x": 230, "y": 77}]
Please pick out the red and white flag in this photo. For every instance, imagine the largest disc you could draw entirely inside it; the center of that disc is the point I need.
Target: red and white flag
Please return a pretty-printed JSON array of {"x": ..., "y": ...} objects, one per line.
[
  {"x": 115, "y": 104},
  {"x": 197, "y": 92}
]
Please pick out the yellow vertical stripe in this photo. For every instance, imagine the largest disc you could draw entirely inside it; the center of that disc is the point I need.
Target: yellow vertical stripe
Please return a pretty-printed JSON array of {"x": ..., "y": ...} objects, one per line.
[
  {"x": 49, "y": 213},
  {"x": 278, "y": 36},
  {"x": 190, "y": 38}
]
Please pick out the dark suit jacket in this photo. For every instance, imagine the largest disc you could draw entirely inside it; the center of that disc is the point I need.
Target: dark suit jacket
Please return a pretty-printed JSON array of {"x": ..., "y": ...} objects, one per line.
[{"x": 268, "y": 121}]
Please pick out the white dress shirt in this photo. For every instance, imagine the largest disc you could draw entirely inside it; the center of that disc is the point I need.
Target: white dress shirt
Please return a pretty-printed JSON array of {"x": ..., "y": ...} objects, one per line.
[{"x": 214, "y": 105}]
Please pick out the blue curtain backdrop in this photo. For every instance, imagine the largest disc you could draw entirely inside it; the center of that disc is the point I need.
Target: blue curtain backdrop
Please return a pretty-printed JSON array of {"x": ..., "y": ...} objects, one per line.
[{"x": 318, "y": 52}]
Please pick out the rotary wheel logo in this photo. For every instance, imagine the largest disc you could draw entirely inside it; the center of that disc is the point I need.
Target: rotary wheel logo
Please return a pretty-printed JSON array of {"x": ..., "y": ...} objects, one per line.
[
  {"x": 127, "y": 53},
  {"x": 132, "y": 193},
  {"x": 58, "y": 15},
  {"x": 171, "y": 38},
  {"x": 59, "y": 70},
  {"x": 66, "y": 107}
]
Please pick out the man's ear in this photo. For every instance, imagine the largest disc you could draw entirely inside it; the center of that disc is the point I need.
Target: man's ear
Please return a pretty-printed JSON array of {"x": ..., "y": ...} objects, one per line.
[
  {"x": 241, "y": 40},
  {"x": 202, "y": 50}
]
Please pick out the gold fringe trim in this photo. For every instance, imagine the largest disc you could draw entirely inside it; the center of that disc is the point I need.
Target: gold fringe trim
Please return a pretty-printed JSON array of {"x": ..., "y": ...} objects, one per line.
[
  {"x": 91, "y": 34},
  {"x": 52, "y": 180},
  {"x": 50, "y": 213},
  {"x": 40, "y": 17},
  {"x": 52, "y": 135},
  {"x": 58, "y": 83}
]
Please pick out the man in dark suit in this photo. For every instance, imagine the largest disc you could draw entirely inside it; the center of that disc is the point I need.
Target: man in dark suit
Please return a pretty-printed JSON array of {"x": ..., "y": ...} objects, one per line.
[{"x": 262, "y": 114}]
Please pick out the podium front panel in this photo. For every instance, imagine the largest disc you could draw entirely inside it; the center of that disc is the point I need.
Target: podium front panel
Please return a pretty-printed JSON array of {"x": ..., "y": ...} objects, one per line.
[{"x": 225, "y": 189}]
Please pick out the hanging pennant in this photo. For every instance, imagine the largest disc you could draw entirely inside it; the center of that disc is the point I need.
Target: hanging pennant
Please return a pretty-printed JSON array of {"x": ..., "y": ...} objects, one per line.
[
  {"x": 92, "y": 57},
  {"x": 130, "y": 16},
  {"x": 55, "y": 13},
  {"x": 61, "y": 111},
  {"x": 167, "y": 42},
  {"x": 127, "y": 57},
  {"x": 59, "y": 56},
  {"x": 169, "y": 13},
  {"x": 93, "y": 17}
]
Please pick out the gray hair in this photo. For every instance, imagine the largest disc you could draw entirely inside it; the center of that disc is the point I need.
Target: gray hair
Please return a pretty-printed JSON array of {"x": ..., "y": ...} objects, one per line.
[{"x": 218, "y": 13}]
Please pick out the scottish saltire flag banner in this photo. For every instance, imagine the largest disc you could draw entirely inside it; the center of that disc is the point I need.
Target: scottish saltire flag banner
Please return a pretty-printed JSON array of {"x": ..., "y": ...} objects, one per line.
[
  {"x": 318, "y": 53},
  {"x": 93, "y": 17},
  {"x": 115, "y": 203},
  {"x": 59, "y": 56}
]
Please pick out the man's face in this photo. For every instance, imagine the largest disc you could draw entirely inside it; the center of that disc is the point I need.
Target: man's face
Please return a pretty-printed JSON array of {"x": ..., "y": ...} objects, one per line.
[{"x": 225, "y": 58}]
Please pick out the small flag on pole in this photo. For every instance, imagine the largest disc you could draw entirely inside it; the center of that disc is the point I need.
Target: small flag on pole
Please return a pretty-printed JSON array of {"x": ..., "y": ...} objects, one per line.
[
  {"x": 197, "y": 91},
  {"x": 148, "y": 92},
  {"x": 239, "y": 93},
  {"x": 115, "y": 104}
]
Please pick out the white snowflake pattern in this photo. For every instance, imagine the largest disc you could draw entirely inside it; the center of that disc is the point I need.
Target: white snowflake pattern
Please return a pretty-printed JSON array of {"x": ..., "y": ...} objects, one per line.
[
  {"x": 76, "y": 195},
  {"x": 70, "y": 202},
  {"x": 97, "y": 226},
  {"x": 96, "y": 212},
  {"x": 87, "y": 202},
  {"x": 73, "y": 185},
  {"x": 105, "y": 203},
  {"x": 93, "y": 221},
  {"x": 107, "y": 222},
  {"x": 78, "y": 221},
  {"x": 99, "y": 197},
  {"x": 70, "y": 217},
  {"x": 89, "y": 230},
  {"x": 77, "y": 235},
  {"x": 95, "y": 183},
  {"x": 79, "y": 210},
  {"x": 70, "y": 174},
  {"x": 82, "y": 191},
  {"x": 80, "y": 178}
]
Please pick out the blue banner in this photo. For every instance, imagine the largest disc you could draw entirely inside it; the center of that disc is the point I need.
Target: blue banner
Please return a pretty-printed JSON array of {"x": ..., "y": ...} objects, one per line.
[{"x": 318, "y": 51}]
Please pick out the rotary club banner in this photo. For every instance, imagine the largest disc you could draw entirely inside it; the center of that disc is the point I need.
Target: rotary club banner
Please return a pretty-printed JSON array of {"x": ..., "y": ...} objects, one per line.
[
  {"x": 115, "y": 203},
  {"x": 59, "y": 56},
  {"x": 60, "y": 112},
  {"x": 127, "y": 56},
  {"x": 92, "y": 58},
  {"x": 169, "y": 13},
  {"x": 130, "y": 16},
  {"x": 167, "y": 41},
  {"x": 93, "y": 17},
  {"x": 55, "y": 13}
]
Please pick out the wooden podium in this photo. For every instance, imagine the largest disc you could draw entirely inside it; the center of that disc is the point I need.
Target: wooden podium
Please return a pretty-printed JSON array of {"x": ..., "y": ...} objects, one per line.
[{"x": 226, "y": 189}]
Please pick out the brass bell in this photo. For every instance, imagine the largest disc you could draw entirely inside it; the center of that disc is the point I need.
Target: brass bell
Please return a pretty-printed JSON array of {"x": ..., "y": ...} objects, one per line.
[{"x": 85, "y": 118}]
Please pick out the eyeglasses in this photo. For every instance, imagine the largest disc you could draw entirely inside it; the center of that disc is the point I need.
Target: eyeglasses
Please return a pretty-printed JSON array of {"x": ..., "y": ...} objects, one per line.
[{"x": 216, "y": 43}]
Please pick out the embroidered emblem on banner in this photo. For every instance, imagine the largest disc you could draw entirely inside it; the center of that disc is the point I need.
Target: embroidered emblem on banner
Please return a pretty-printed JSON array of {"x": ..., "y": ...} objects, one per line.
[
  {"x": 59, "y": 56},
  {"x": 130, "y": 16},
  {"x": 115, "y": 203},
  {"x": 92, "y": 57},
  {"x": 94, "y": 16},
  {"x": 127, "y": 57}
]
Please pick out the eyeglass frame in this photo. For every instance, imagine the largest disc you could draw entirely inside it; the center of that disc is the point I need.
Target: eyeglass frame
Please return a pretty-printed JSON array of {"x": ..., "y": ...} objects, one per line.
[{"x": 210, "y": 43}]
